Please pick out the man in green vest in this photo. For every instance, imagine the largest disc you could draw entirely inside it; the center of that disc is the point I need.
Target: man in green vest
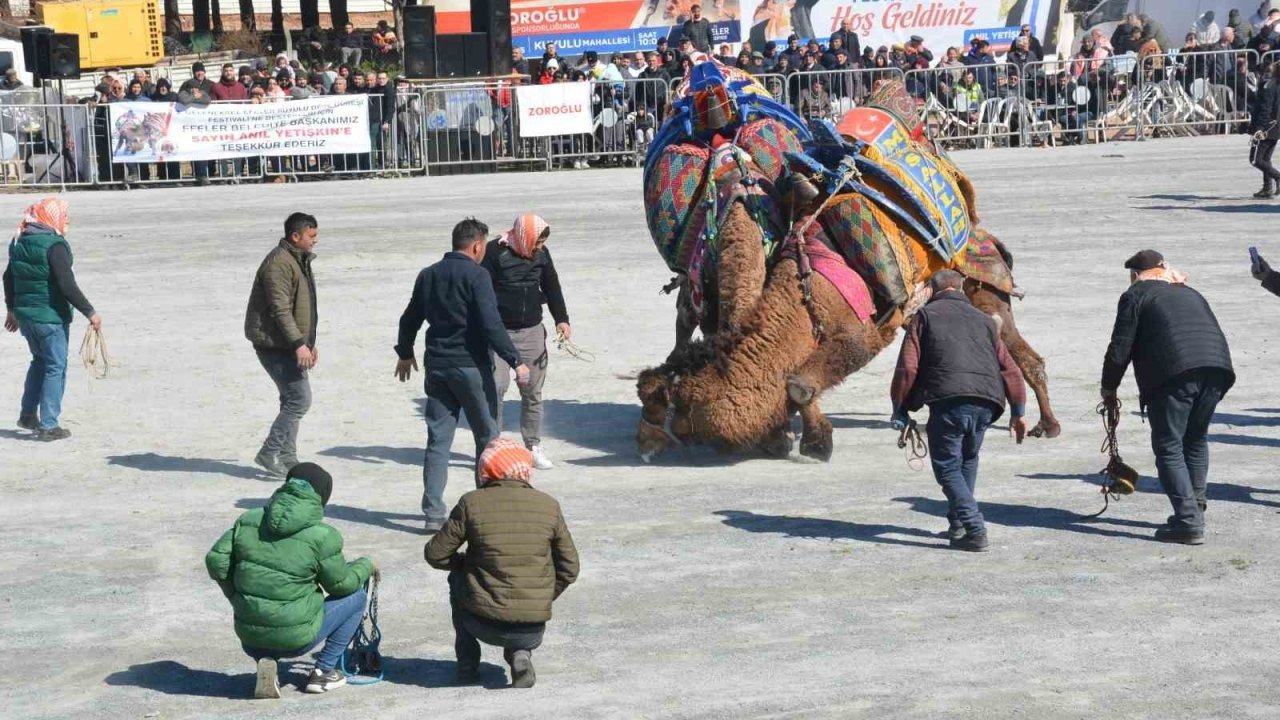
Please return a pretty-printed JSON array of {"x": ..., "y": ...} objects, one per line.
[
  {"x": 276, "y": 565},
  {"x": 39, "y": 292}
]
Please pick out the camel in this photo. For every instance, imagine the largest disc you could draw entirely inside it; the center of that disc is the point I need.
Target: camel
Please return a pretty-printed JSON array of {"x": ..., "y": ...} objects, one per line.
[{"x": 738, "y": 389}]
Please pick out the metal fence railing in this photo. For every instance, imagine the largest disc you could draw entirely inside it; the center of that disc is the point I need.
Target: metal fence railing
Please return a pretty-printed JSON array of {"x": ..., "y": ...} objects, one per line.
[{"x": 470, "y": 127}]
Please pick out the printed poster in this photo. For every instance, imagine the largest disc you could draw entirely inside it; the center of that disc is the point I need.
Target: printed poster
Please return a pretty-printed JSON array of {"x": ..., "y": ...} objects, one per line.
[
  {"x": 146, "y": 132},
  {"x": 555, "y": 109}
]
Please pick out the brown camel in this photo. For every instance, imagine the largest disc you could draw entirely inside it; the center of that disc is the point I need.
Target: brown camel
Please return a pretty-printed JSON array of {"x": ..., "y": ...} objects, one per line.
[{"x": 739, "y": 390}]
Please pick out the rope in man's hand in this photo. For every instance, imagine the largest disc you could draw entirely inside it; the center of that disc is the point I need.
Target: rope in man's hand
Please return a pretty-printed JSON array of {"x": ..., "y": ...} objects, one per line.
[
  {"x": 567, "y": 346},
  {"x": 93, "y": 352},
  {"x": 911, "y": 442}
]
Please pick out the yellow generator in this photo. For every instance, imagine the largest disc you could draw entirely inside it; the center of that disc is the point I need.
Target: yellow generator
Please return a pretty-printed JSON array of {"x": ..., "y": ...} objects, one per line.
[{"x": 113, "y": 33}]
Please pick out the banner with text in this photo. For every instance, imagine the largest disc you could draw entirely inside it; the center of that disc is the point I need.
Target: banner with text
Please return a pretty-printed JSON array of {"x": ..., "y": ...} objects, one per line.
[
  {"x": 941, "y": 23},
  {"x": 555, "y": 109},
  {"x": 143, "y": 132}
]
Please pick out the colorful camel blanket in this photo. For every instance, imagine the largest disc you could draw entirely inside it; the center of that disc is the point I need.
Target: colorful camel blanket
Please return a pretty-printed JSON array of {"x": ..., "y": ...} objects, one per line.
[
  {"x": 830, "y": 265},
  {"x": 982, "y": 260}
]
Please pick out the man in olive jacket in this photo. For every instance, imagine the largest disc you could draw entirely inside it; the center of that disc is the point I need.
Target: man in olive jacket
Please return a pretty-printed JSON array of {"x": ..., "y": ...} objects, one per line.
[
  {"x": 275, "y": 565},
  {"x": 281, "y": 323},
  {"x": 519, "y": 558}
]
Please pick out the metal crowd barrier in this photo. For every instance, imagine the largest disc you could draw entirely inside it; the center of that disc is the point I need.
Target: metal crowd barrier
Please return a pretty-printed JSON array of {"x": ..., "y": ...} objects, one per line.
[
  {"x": 616, "y": 137},
  {"x": 831, "y": 93},
  {"x": 1196, "y": 93}
]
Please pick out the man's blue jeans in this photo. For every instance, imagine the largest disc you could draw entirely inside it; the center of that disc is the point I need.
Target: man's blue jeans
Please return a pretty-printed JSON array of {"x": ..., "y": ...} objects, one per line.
[
  {"x": 956, "y": 429},
  {"x": 342, "y": 618},
  {"x": 1180, "y": 413},
  {"x": 450, "y": 390},
  {"x": 47, "y": 374}
]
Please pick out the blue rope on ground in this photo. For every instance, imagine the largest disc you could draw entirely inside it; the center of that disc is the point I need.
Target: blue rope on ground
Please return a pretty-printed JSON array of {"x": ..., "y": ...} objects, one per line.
[{"x": 364, "y": 658}]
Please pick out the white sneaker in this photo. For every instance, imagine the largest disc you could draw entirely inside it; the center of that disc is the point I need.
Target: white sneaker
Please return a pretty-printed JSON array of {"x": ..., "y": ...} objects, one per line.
[
  {"x": 268, "y": 682},
  {"x": 540, "y": 459}
]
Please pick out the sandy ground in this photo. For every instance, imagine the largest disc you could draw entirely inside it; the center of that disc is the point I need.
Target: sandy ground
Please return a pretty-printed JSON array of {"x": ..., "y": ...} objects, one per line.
[{"x": 712, "y": 587}]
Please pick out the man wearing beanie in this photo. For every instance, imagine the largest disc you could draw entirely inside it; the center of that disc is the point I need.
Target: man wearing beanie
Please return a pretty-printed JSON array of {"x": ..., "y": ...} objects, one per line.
[
  {"x": 519, "y": 558},
  {"x": 1183, "y": 368},
  {"x": 524, "y": 277},
  {"x": 290, "y": 588},
  {"x": 954, "y": 361}
]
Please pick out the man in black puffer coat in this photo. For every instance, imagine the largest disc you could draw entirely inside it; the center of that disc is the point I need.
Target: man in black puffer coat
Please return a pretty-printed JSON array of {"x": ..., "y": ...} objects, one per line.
[{"x": 1183, "y": 367}]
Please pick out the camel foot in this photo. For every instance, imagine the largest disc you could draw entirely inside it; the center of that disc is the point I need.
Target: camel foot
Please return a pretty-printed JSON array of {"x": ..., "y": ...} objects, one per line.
[
  {"x": 817, "y": 443},
  {"x": 800, "y": 391},
  {"x": 1047, "y": 429},
  {"x": 778, "y": 444}
]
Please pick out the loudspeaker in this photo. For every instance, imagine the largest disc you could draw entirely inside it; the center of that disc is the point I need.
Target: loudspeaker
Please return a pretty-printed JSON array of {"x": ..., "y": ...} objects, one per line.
[
  {"x": 494, "y": 17},
  {"x": 63, "y": 52},
  {"x": 6, "y": 61},
  {"x": 420, "y": 41},
  {"x": 34, "y": 56},
  {"x": 462, "y": 55}
]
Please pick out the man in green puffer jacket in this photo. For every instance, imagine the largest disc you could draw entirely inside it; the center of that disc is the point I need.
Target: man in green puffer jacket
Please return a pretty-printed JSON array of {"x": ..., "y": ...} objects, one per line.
[{"x": 275, "y": 565}]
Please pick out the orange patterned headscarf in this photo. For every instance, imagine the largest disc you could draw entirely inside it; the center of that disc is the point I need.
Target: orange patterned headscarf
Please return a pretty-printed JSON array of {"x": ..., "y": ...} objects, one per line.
[
  {"x": 524, "y": 235},
  {"x": 505, "y": 459},
  {"x": 50, "y": 212}
]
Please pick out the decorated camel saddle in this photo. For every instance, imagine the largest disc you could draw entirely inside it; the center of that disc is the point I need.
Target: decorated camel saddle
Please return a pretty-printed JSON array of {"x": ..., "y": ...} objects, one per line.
[{"x": 870, "y": 191}]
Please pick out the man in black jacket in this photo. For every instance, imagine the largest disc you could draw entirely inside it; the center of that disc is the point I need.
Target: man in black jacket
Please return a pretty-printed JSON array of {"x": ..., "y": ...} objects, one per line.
[
  {"x": 1183, "y": 367},
  {"x": 953, "y": 360},
  {"x": 455, "y": 298},
  {"x": 1266, "y": 126},
  {"x": 524, "y": 277},
  {"x": 698, "y": 30}
]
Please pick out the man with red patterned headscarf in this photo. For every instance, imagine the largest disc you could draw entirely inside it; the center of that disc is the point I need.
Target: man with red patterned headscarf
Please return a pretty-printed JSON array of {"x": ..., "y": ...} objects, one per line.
[
  {"x": 39, "y": 292},
  {"x": 520, "y": 557},
  {"x": 524, "y": 277}
]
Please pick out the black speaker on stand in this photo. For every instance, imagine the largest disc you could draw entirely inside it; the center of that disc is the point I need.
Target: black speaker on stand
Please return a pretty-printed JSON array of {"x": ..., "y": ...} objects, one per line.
[
  {"x": 63, "y": 53},
  {"x": 35, "y": 53},
  {"x": 419, "y": 41},
  {"x": 462, "y": 55},
  {"x": 494, "y": 18}
]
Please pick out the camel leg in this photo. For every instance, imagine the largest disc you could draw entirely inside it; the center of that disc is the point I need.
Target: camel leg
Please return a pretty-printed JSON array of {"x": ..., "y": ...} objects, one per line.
[
  {"x": 1028, "y": 360},
  {"x": 835, "y": 358},
  {"x": 686, "y": 318},
  {"x": 815, "y": 439},
  {"x": 778, "y": 443},
  {"x": 741, "y": 272}
]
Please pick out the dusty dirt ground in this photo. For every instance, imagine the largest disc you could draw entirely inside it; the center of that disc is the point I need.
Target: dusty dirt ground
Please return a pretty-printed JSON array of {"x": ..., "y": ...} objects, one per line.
[{"x": 712, "y": 586}]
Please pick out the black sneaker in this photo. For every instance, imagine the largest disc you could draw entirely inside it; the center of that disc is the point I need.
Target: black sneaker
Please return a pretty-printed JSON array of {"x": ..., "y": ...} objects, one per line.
[
  {"x": 971, "y": 543},
  {"x": 271, "y": 464},
  {"x": 57, "y": 433},
  {"x": 268, "y": 685},
  {"x": 522, "y": 675},
  {"x": 322, "y": 682},
  {"x": 29, "y": 422},
  {"x": 1181, "y": 536}
]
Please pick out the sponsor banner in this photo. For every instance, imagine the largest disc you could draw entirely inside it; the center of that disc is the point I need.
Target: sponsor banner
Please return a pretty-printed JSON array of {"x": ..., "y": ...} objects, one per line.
[
  {"x": 556, "y": 109},
  {"x": 1001, "y": 39},
  {"x": 942, "y": 23},
  {"x": 605, "y": 26},
  {"x": 146, "y": 132}
]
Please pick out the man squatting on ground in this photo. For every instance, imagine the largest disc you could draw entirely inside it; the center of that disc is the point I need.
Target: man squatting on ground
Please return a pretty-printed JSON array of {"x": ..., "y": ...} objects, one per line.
[
  {"x": 39, "y": 291},
  {"x": 281, "y": 322},
  {"x": 520, "y": 557},
  {"x": 455, "y": 298},
  {"x": 1183, "y": 368},
  {"x": 524, "y": 277},
  {"x": 953, "y": 360},
  {"x": 276, "y": 565}
]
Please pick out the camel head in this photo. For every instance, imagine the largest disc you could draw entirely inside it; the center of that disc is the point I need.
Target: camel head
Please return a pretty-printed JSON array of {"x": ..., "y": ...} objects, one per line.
[{"x": 659, "y": 428}]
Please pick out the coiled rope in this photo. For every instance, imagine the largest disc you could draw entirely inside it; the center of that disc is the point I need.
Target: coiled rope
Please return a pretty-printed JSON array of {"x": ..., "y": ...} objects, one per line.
[
  {"x": 911, "y": 442},
  {"x": 1119, "y": 478},
  {"x": 567, "y": 346},
  {"x": 93, "y": 352},
  {"x": 363, "y": 656}
]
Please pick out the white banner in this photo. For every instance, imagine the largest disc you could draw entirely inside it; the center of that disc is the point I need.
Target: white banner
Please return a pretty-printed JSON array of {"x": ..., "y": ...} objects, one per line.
[
  {"x": 144, "y": 132},
  {"x": 555, "y": 109}
]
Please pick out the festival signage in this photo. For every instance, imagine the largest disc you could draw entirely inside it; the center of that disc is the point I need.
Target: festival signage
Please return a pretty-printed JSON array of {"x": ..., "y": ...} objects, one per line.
[
  {"x": 555, "y": 109},
  {"x": 145, "y": 132},
  {"x": 606, "y": 26},
  {"x": 942, "y": 23}
]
